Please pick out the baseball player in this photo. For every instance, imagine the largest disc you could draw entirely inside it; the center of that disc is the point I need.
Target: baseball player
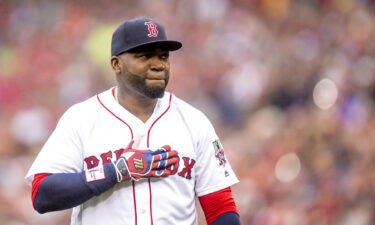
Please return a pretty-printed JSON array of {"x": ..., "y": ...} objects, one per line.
[{"x": 135, "y": 154}]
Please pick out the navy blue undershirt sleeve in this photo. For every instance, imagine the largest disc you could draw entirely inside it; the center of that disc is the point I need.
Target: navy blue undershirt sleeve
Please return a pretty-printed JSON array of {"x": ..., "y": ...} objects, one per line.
[
  {"x": 66, "y": 190},
  {"x": 229, "y": 218}
]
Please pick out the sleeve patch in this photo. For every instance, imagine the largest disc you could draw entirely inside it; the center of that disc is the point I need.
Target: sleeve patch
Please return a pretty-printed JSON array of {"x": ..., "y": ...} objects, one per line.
[
  {"x": 95, "y": 174},
  {"x": 219, "y": 152}
]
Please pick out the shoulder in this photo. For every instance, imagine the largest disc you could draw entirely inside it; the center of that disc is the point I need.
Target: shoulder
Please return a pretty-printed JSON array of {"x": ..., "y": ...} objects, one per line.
[
  {"x": 189, "y": 113},
  {"x": 83, "y": 110},
  {"x": 187, "y": 109}
]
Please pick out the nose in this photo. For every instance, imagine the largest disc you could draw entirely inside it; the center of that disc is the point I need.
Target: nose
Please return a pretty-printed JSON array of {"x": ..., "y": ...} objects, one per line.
[{"x": 157, "y": 64}]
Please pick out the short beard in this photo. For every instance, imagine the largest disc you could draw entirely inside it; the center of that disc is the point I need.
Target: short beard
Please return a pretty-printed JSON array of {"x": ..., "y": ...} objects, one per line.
[
  {"x": 138, "y": 84},
  {"x": 154, "y": 92}
]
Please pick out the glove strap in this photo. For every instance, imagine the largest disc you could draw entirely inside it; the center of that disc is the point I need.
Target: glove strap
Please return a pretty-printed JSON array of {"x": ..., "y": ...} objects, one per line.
[{"x": 122, "y": 169}]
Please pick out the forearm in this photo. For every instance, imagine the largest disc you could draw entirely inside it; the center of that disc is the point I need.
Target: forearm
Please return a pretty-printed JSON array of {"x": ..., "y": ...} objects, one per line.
[
  {"x": 229, "y": 218},
  {"x": 66, "y": 190}
]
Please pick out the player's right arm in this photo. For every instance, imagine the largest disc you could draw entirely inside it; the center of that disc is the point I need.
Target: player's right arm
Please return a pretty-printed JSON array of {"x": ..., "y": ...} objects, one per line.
[
  {"x": 65, "y": 184},
  {"x": 52, "y": 192}
]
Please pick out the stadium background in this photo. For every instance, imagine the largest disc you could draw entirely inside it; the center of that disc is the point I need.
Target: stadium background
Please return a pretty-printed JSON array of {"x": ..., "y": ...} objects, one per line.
[{"x": 289, "y": 85}]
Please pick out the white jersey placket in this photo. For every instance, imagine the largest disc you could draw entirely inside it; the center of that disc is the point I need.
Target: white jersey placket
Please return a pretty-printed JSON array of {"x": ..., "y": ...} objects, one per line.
[{"x": 142, "y": 190}]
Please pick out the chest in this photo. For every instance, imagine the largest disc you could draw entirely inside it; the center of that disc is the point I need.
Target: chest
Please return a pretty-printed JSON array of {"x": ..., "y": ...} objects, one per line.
[{"x": 108, "y": 135}]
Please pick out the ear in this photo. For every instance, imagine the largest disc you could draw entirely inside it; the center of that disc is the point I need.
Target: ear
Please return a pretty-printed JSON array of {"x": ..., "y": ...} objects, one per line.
[{"x": 115, "y": 63}]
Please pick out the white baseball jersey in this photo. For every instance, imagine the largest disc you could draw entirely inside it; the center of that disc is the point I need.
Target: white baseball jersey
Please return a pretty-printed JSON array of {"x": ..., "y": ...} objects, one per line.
[{"x": 94, "y": 132}]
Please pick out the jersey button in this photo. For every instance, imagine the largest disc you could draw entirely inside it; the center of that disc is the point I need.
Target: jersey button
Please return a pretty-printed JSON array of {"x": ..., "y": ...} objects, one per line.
[{"x": 143, "y": 211}]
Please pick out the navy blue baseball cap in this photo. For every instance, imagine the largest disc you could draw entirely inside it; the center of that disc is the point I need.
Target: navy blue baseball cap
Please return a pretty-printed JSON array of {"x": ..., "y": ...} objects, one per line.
[{"x": 139, "y": 32}]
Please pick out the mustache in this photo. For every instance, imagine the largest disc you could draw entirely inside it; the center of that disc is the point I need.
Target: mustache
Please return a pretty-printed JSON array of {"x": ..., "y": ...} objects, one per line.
[{"x": 158, "y": 76}]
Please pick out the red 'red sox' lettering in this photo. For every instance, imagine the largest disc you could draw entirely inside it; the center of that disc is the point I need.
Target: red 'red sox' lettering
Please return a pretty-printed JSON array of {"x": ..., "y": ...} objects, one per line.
[
  {"x": 119, "y": 152},
  {"x": 106, "y": 157},
  {"x": 188, "y": 167},
  {"x": 93, "y": 161},
  {"x": 173, "y": 169}
]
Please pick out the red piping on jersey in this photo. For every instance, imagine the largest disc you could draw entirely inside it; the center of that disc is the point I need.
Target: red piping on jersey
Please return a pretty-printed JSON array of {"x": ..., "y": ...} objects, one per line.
[
  {"x": 135, "y": 204},
  {"x": 149, "y": 130},
  {"x": 148, "y": 145},
  {"x": 113, "y": 92},
  {"x": 149, "y": 186},
  {"x": 131, "y": 131}
]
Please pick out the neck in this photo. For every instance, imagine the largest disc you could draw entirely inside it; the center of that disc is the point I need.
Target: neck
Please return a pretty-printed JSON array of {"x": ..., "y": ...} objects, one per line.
[{"x": 140, "y": 106}]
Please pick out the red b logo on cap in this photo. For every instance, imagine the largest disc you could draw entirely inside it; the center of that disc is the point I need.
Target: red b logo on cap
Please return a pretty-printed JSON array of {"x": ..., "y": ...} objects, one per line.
[{"x": 153, "y": 32}]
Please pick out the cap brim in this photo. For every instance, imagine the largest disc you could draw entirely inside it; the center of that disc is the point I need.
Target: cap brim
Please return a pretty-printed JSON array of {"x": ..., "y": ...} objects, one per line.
[{"x": 167, "y": 44}]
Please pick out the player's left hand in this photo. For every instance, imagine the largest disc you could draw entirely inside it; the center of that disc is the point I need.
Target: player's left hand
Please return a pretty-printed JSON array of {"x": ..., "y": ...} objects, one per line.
[{"x": 137, "y": 164}]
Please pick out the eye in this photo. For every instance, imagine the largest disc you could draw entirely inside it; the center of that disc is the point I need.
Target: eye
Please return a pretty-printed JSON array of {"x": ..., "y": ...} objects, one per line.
[
  {"x": 164, "y": 56},
  {"x": 143, "y": 56}
]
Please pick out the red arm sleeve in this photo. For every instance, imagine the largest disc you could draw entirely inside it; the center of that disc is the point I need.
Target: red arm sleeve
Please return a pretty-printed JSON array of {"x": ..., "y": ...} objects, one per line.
[
  {"x": 38, "y": 178},
  {"x": 217, "y": 203}
]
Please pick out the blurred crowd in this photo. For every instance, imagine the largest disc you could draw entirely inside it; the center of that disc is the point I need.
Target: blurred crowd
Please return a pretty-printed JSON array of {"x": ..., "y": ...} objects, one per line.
[{"x": 253, "y": 66}]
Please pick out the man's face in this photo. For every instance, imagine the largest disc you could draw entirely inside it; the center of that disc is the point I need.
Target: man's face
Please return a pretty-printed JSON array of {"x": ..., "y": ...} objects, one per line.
[{"x": 144, "y": 71}]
